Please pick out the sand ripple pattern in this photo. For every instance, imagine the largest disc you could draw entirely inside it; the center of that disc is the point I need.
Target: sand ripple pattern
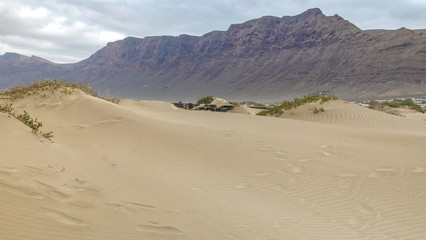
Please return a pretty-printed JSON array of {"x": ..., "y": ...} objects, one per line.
[{"x": 349, "y": 114}]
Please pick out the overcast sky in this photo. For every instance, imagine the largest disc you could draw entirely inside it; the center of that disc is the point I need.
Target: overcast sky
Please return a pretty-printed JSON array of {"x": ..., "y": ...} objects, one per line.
[{"x": 67, "y": 31}]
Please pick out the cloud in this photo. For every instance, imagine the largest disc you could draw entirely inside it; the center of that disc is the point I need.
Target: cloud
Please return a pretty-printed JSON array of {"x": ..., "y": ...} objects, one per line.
[
  {"x": 45, "y": 32},
  {"x": 71, "y": 30}
]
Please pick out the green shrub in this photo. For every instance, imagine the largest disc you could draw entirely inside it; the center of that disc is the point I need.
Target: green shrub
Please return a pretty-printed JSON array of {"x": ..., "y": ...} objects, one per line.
[
  {"x": 326, "y": 98},
  {"x": 316, "y": 110},
  {"x": 276, "y": 111},
  {"x": 48, "y": 135},
  {"x": 376, "y": 105},
  {"x": 254, "y": 104},
  {"x": 205, "y": 100},
  {"x": 396, "y": 104},
  {"x": 287, "y": 105},
  {"x": 32, "y": 123},
  {"x": 6, "y": 108},
  {"x": 408, "y": 103}
]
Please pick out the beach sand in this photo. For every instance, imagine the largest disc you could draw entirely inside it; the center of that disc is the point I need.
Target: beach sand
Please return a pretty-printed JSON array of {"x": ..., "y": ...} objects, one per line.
[{"x": 147, "y": 170}]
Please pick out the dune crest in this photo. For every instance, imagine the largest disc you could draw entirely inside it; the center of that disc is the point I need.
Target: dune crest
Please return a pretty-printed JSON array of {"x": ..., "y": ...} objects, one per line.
[{"x": 343, "y": 113}]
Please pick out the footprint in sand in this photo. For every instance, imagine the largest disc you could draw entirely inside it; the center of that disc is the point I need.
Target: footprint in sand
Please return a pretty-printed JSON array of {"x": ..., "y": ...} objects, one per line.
[
  {"x": 8, "y": 175},
  {"x": 281, "y": 153},
  {"x": 64, "y": 218},
  {"x": 326, "y": 149},
  {"x": 83, "y": 186},
  {"x": 154, "y": 227},
  {"x": 292, "y": 168},
  {"x": 303, "y": 160},
  {"x": 348, "y": 175},
  {"x": 326, "y": 154},
  {"x": 9, "y": 170},
  {"x": 326, "y": 146},
  {"x": 143, "y": 206},
  {"x": 51, "y": 191},
  {"x": 281, "y": 156},
  {"x": 130, "y": 207},
  {"x": 120, "y": 208},
  {"x": 80, "y": 203},
  {"x": 419, "y": 170},
  {"x": 22, "y": 190},
  {"x": 296, "y": 169},
  {"x": 263, "y": 174},
  {"x": 266, "y": 149},
  {"x": 383, "y": 172},
  {"x": 80, "y": 126},
  {"x": 109, "y": 121},
  {"x": 244, "y": 186}
]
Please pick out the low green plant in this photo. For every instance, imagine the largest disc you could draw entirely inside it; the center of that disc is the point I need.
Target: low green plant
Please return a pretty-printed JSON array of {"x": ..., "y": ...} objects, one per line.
[
  {"x": 25, "y": 118},
  {"x": 67, "y": 90},
  {"x": 326, "y": 98},
  {"x": 254, "y": 104},
  {"x": 287, "y": 105},
  {"x": 396, "y": 104},
  {"x": 408, "y": 103},
  {"x": 32, "y": 123},
  {"x": 276, "y": 111},
  {"x": 205, "y": 100},
  {"x": 7, "y": 108},
  {"x": 108, "y": 98},
  {"x": 316, "y": 110},
  {"x": 47, "y": 135}
]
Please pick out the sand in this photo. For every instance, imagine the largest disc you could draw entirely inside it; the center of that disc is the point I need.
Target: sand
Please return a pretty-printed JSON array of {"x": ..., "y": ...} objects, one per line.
[{"x": 147, "y": 170}]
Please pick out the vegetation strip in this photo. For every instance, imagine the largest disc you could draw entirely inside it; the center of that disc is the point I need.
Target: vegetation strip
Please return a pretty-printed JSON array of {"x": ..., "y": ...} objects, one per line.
[
  {"x": 41, "y": 88},
  {"x": 396, "y": 104},
  {"x": 277, "y": 110}
]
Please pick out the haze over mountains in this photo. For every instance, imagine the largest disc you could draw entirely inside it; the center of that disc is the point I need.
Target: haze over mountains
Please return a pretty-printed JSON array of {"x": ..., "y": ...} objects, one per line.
[{"x": 265, "y": 59}]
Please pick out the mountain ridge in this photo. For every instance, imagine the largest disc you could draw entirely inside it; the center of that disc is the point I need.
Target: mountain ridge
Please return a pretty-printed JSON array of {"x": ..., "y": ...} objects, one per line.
[{"x": 267, "y": 58}]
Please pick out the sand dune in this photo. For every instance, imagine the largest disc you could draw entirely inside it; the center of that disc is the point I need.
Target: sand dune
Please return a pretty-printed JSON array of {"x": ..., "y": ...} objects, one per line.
[
  {"x": 348, "y": 114},
  {"x": 147, "y": 170}
]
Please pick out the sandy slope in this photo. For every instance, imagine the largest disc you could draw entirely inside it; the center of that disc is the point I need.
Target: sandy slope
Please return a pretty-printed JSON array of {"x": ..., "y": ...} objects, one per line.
[
  {"x": 348, "y": 114},
  {"x": 146, "y": 170}
]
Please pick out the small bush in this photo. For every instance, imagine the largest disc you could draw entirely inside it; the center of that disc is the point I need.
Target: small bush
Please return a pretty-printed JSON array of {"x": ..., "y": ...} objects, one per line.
[
  {"x": 316, "y": 110},
  {"x": 254, "y": 104},
  {"x": 276, "y": 111},
  {"x": 327, "y": 98},
  {"x": 205, "y": 100},
  {"x": 112, "y": 99},
  {"x": 408, "y": 103},
  {"x": 376, "y": 105},
  {"x": 287, "y": 105},
  {"x": 48, "y": 135},
  {"x": 6, "y": 108},
  {"x": 32, "y": 123},
  {"x": 396, "y": 104}
]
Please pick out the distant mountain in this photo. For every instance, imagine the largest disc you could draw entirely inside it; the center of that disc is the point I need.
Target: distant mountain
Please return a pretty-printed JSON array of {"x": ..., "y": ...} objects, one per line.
[
  {"x": 265, "y": 59},
  {"x": 16, "y": 69}
]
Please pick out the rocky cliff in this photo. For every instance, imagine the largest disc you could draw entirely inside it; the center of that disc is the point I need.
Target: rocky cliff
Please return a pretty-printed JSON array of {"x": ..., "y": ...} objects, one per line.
[{"x": 267, "y": 59}]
